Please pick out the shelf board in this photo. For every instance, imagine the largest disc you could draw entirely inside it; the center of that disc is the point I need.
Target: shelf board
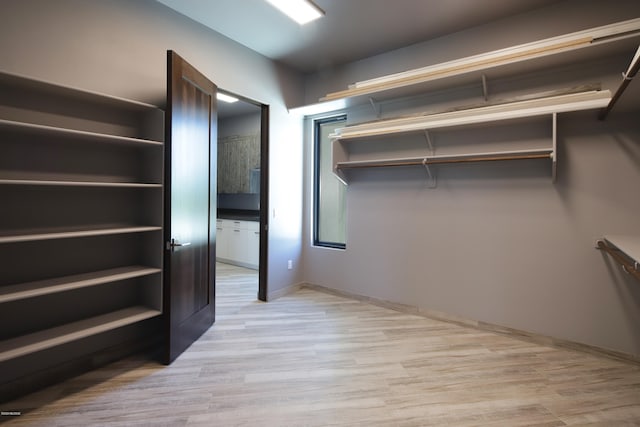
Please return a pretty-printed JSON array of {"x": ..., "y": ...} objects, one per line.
[
  {"x": 576, "y": 48},
  {"x": 495, "y": 113},
  {"x": 543, "y": 153},
  {"x": 77, "y": 94},
  {"x": 77, "y": 281},
  {"x": 629, "y": 245},
  {"x": 42, "y": 340},
  {"x": 57, "y": 234},
  {"x": 571, "y": 48},
  {"x": 37, "y": 182},
  {"x": 45, "y": 130}
]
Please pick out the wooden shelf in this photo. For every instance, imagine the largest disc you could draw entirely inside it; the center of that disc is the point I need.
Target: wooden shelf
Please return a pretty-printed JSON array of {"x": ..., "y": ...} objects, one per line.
[
  {"x": 36, "y": 235},
  {"x": 629, "y": 245},
  {"x": 76, "y": 164},
  {"x": 513, "y": 114},
  {"x": 73, "y": 93},
  {"x": 625, "y": 250},
  {"x": 580, "y": 47},
  {"x": 31, "y": 343},
  {"x": 573, "y": 48},
  {"x": 48, "y": 131},
  {"x": 77, "y": 281},
  {"x": 493, "y": 113},
  {"x": 37, "y": 182},
  {"x": 517, "y": 111}
]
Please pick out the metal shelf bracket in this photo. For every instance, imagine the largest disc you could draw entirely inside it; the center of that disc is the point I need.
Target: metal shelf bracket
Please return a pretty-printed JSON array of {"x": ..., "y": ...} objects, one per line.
[
  {"x": 432, "y": 176},
  {"x": 376, "y": 107},
  {"x": 427, "y": 137},
  {"x": 554, "y": 153},
  {"x": 485, "y": 88}
]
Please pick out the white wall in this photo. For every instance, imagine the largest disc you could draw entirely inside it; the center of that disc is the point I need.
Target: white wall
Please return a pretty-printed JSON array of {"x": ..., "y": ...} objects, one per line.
[
  {"x": 119, "y": 47},
  {"x": 499, "y": 242}
]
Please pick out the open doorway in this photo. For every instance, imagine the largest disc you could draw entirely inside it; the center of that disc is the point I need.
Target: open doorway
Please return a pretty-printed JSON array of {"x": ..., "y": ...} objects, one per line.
[{"x": 241, "y": 241}]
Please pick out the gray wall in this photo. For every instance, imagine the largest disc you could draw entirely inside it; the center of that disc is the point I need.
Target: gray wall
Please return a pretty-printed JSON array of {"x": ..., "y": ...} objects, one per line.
[
  {"x": 499, "y": 243},
  {"x": 119, "y": 47},
  {"x": 245, "y": 124}
]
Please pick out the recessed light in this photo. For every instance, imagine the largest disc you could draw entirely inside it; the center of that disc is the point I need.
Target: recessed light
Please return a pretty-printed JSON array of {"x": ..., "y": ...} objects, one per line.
[
  {"x": 301, "y": 11},
  {"x": 226, "y": 98}
]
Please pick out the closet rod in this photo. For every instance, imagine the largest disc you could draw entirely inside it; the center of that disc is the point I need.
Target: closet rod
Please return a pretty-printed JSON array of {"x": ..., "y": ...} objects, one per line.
[
  {"x": 615, "y": 253},
  {"x": 432, "y": 161},
  {"x": 628, "y": 76}
]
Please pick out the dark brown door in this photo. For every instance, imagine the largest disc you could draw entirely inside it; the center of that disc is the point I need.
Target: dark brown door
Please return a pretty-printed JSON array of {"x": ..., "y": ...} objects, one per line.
[{"x": 190, "y": 205}]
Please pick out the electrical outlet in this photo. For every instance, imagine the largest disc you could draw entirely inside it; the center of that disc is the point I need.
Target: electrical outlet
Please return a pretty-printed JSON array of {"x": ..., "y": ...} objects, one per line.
[{"x": 290, "y": 264}]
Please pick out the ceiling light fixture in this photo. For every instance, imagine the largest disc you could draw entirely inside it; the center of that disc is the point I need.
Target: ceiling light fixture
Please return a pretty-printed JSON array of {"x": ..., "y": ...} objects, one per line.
[
  {"x": 226, "y": 98},
  {"x": 301, "y": 11}
]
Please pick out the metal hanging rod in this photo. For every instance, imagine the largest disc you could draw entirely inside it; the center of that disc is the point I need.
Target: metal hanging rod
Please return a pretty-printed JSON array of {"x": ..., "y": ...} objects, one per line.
[
  {"x": 425, "y": 161},
  {"x": 629, "y": 266}
]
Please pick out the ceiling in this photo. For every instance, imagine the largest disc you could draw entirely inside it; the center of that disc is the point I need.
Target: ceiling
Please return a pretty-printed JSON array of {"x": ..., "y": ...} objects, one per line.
[
  {"x": 351, "y": 29},
  {"x": 239, "y": 108}
]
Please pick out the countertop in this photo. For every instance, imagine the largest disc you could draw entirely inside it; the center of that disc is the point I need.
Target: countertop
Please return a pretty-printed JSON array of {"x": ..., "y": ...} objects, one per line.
[{"x": 238, "y": 215}]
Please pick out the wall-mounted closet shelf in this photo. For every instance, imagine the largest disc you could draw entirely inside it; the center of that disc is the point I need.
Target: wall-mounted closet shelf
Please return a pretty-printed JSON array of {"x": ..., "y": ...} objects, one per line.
[
  {"x": 42, "y": 340},
  {"x": 77, "y": 281},
  {"x": 542, "y": 55},
  {"x": 80, "y": 225},
  {"x": 72, "y": 134},
  {"x": 70, "y": 93},
  {"x": 625, "y": 250},
  {"x": 530, "y": 109},
  {"x": 494, "y": 113},
  {"x": 49, "y": 235},
  {"x": 78, "y": 183},
  {"x": 570, "y": 48}
]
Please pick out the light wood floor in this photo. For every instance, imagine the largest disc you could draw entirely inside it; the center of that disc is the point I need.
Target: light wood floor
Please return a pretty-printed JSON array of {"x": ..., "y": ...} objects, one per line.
[{"x": 314, "y": 359}]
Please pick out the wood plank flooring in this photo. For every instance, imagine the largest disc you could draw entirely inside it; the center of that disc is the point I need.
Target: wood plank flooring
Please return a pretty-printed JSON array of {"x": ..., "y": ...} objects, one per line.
[{"x": 315, "y": 359}]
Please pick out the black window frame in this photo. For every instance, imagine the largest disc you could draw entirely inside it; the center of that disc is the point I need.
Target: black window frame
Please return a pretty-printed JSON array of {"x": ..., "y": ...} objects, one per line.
[{"x": 317, "y": 123}]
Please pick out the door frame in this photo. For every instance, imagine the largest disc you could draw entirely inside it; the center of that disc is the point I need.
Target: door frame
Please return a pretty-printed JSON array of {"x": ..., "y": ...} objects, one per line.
[
  {"x": 263, "y": 260},
  {"x": 263, "y": 263}
]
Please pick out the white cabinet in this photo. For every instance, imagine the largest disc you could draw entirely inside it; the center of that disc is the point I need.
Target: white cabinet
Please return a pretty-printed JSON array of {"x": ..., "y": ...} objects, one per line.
[
  {"x": 238, "y": 242},
  {"x": 254, "y": 245},
  {"x": 222, "y": 240},
  {"x": 237, "y": 239}
]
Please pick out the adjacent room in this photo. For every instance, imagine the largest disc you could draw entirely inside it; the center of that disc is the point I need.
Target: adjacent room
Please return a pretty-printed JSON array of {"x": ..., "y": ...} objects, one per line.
[{"x": 380, "y": 213}]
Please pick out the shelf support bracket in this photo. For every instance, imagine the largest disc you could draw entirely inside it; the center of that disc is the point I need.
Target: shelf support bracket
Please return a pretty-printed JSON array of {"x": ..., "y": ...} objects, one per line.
[
  {"x": 427, "y": 137},
  {"x": 432, "y": 176},
  {"x": 554, "y": 153},
  {"x": 485, "y": 88},
  {"x": 628, "y": 265},
  {"x": 627, "y": 76},
  {"x": 375, "y": 106}
]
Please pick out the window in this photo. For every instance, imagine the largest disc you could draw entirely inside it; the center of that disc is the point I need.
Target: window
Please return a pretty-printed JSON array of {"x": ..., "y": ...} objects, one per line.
[{"x": 329, "y": 193}]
